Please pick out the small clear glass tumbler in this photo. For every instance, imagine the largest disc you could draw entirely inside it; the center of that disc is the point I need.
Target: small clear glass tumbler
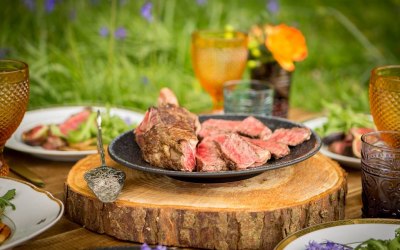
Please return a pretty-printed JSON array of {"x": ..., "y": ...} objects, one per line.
[{"x": 248, "y": 97}]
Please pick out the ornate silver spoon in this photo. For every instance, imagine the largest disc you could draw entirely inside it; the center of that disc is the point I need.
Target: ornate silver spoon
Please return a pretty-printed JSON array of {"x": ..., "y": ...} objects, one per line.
[{"x": 105, "y": 182}]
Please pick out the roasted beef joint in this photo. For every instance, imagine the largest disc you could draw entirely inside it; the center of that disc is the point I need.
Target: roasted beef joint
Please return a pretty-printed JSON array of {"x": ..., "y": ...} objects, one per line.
[{"x": 167, "y": 135}]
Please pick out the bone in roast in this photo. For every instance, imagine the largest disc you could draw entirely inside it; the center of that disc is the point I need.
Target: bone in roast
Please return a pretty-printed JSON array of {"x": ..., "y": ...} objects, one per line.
[{"x": 167, "y": 135}]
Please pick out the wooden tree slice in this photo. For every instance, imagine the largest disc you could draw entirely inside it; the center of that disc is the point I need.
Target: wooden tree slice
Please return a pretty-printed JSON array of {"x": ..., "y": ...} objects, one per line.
[{"x": 255, "y": 213}]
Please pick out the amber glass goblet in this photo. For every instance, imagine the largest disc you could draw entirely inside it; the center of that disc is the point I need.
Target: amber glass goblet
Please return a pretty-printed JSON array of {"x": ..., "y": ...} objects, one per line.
[
  {"x": 217, "y": 57},
  {"x": 384, "y": 97},
  {"x": 14, "y": 97}
]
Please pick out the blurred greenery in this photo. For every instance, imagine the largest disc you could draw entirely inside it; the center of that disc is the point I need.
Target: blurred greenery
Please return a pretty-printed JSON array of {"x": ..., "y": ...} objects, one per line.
[{"x": 75, "y": 57}]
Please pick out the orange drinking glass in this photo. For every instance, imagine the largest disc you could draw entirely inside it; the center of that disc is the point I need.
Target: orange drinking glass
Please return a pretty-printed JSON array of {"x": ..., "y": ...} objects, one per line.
[
  {"x": 14, "y": 97},
  {"x": 384, "y": 97},
  {"x": 217, "y": 57}
]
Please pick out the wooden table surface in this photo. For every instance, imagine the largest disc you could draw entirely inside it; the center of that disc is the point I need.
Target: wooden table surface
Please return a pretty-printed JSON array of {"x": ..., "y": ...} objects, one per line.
[{"x": 66, "y": 234}]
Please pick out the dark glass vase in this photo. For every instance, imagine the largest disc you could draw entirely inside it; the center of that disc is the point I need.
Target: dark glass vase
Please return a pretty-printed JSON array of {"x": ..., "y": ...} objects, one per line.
[{"x": 281, "y": 80}]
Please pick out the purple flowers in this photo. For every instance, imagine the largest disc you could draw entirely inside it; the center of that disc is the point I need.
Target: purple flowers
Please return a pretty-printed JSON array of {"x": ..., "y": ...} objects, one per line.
[
  {"x": 146, "y": 247},
  {"x": 329, "y": 245},
  {"x": 49, "y": 5},
  {"x": 103, "y": 31},
  {"x": 201, "y": 2},
  {"x": 120, "y": 33},
  {"x": 144, "y": 80},
  {"x": 273, "y": 6},
  {"x": 30, "y": 4},
  {"x": 4, "y": 52},
  {"x": 146, "y": 11}
]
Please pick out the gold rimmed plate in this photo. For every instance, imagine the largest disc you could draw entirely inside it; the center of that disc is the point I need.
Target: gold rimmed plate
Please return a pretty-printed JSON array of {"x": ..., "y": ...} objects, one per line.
[
  {"x": 346, "y": 232},
  {"x": 36, "y": 210},
  {"x": 56, "y": 115},
  {"x": 126, "y": 152}
]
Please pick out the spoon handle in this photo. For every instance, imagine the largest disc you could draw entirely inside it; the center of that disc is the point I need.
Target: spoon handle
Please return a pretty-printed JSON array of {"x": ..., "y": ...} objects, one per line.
[{"x": 100, "y": 147}]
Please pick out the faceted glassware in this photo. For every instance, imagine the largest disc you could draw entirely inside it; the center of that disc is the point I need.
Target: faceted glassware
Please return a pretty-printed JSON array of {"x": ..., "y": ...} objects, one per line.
[
  {"x": 217, "y": 57},
  {"x": 14, "y": 97},
  {"x": 384, "y": 97},
  {"x": 380, "y": 174}
]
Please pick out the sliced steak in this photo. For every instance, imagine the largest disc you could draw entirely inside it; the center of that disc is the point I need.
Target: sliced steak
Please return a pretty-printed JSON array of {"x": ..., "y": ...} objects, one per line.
[
  {"x": 238, "y": 153},
  {"x": 208, "y": 157},
  {"x": 74, "y": 121},
  {"x": 213, "y": 127},
  {"x": 253, "y": 128},
  {"x": 167, "y": 137},
  {"x": 263, "y": 154},
  {"x": 277, "y": 149},
  {"x": 292, "y": 137}
]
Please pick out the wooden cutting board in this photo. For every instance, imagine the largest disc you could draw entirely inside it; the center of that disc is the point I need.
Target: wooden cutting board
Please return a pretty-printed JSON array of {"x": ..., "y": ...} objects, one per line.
[{"x": 255, "y": 213}]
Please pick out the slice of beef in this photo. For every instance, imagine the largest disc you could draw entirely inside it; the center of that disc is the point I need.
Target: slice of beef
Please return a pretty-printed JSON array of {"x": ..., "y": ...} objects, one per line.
[
  {"x": 167, "y": 137},
  {"x": 213, "y": 127},
  {"x": 253, "y": 128},
  {"x": 277, "y": 149},
  {"x": 263, "y": 154},
  {"x": 74, "y": 121},
  {"x": 250, "y": 126},
  {"x": 292, "y": 136},
  {"x": 208, "y": 157},
  {"x": 236, "y": 151}
]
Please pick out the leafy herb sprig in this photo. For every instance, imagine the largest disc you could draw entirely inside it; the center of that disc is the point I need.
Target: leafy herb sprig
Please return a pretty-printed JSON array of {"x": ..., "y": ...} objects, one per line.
[
  {"x": 342, "y": 119},
  {"x": 5, "y": 200}
]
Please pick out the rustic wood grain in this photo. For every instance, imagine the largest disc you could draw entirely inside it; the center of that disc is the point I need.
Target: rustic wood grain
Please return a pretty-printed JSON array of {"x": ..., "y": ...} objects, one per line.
[{"x": 255, "y": 213}]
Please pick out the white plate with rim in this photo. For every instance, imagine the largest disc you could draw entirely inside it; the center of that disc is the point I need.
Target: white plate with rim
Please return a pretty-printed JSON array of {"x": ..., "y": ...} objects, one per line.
[
  {"x": 348, "y": 161},
  {"x": 36, "y": 210},
  {"x": 58, "y": 115},
  {"x": 347, "y": 232}
]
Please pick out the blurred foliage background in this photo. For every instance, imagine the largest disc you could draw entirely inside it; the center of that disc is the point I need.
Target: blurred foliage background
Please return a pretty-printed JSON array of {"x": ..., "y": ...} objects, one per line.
[{"x": 121, "y": 52}]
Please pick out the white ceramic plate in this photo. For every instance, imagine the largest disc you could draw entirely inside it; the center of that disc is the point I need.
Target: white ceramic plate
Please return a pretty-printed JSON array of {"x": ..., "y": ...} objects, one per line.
[
  {"x": 348, "y": 232},
  {"x": 35, "y": 211},
  {"x": 348, "y": 161},
  {"x": 58, "y": 115}
]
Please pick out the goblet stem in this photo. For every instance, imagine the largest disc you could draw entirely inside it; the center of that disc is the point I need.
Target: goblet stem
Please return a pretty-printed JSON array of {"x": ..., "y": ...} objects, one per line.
[
  {"x": 4, "y": 168},
  {"x": 217, "y": 104}
]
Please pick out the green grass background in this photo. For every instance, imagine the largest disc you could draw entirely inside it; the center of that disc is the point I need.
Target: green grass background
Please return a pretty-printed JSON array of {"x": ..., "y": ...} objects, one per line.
[{"x": 71, "y": 63}]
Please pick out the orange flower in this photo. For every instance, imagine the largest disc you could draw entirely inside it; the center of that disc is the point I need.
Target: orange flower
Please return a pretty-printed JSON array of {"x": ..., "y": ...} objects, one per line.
[{"x": 287, "y": 44}]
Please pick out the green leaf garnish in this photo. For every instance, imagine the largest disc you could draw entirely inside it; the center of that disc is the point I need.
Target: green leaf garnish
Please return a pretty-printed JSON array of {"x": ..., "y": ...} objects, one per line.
[
  {"x": 5, "y": 200},
  {"x": 342, "y": 119}
]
